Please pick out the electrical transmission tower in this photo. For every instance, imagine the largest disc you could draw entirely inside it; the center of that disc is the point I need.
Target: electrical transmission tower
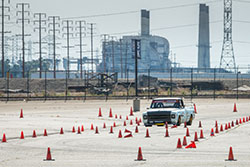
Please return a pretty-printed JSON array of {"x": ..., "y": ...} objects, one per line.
[
  {"x": 53, "y": 22},
  {"x": 67, "y": 27},
  {"x": 41, "y": 21},
  {"x": 23, "y": 13},
  {"x": 227, "y": 60},
  {"x": 81, "y": 28},
  {"x": 104, "y": 51},
  {"x": 92, "y": 46},
  {"x": 3, "y": 7}
]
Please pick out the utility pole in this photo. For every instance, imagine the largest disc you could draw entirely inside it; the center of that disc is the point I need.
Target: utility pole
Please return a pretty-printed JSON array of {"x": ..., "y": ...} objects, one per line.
[
  {"x": 68, "y": 26},
  {"x": 23, "y": 12},
  {"x": 113, "y": 52},
  {"x": 121, "y": 58},
  {"x": 55, "y": 25},
  {"x": 227, "y": 60},
  {"x": 81, "y": 27},
  {"x": 92, "y": 46},
  {"x": 3, "y": 32},
  {"x": 105, "y": 37},
  {"x": 41, "y": 26},
  {"x": 126, "y": 59}
]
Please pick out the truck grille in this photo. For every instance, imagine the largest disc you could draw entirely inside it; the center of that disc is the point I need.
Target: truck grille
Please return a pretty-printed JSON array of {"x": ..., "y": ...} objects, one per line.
[{"x": 161, "y": 116}]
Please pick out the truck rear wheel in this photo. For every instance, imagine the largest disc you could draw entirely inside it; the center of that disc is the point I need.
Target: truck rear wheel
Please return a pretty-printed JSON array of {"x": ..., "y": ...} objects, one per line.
[
  {"x": 190, "y": 120},
  {"x": 179, "y": 121}
]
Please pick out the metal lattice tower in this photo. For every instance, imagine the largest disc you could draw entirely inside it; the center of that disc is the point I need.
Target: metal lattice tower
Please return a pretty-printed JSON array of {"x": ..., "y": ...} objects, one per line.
[{"x": 227, "y": 60}]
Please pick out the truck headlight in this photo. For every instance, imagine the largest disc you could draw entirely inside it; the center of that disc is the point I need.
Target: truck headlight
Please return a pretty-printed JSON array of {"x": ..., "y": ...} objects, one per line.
[
  {"x": 145, "y": 117},
  {"x": 173, "y": 116}
]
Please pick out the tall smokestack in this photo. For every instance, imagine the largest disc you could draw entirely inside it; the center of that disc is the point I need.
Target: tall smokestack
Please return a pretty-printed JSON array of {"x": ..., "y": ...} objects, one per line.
[
  {"x": 204, "y": 41},
  {"x": 145, "y": 24}
]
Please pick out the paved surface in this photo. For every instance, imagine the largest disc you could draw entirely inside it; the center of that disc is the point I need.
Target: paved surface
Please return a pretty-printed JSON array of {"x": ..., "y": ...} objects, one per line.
[{"x": 104, "y": 149}]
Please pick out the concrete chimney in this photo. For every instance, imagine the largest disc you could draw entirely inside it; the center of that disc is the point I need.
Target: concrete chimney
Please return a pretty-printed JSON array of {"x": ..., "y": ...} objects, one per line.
[
  {"x": 145, "y": 22},
  {"x": 204, "y": 40}
]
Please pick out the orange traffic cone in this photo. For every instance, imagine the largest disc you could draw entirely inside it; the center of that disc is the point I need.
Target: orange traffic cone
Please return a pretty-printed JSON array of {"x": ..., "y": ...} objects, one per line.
[
  {"x": 127, "y": 118},
  {"x": 166, "y": 125},
  {"x": 166, "y": 134},
  {"x": 196, "y": 137},
  {"x": 110, "y": 113},
  {"x": 235, "y": 109},
  {"x": 61, "y": 131},
  {"x": 34, "y": 134},
  {"x": 100, "y": 112},
  {"x": 229, "y": 125},
  {"x": 147, "y": 133},
  {"x": 244, "y": 120},
  {"x": 4, "y": 138},
  {"x": 192, "y": 145},
  {"x": 184, "y": 141},
  {"x": 21, "y": 113},
  {"x": 240, "y": 121},
  {"x": 131, "y": 122},
  {"x": 139, "y": 157},
  {"x": 131, "y": 112},
  {"x": 216, "y": 129},
  {"x": 179, "y": 143},
  {"x": 221, "y": 128},
  {"x": 127, "y": 131},
  {"x": 79, "y": 130},
  {"x": 124, "y": 124},
  {"x": 116, "y": 116},
  {"x": 73, "y": 129},
  {"x": 120, "y": 134},
  {"x": 231, "y": 156},
  {"x": 45, "y": 133},
  {"x": 82, "y": 128},
  {"x": 96, "y": 130},
  {"x": 201, "y": 134},
  {"x": 212, "y": 132},
  {"x": 232, "y": 124},
  {"x": 216, "y": 124},
  {"x": 22, "y": 135},
  {"x": 200, "y": 126},
  {"x": 195, "y": 110},
  {"x": 237, "y": 123},
  {"x": 104, "y": 125},
  {"x": 120, "y": 117},
  {"x": 187, "y": 133},
  {"x": 185, "y": 124},
  {"x": 129, "y": 135},
  {"x": 136, "y": 120},
  {"x": 49, "y": 157},
  {"x": 114, "y": 124},
  {"x": 226, "y": 127},
  {"x": 111, "y": 129},
  {"x": 136, "y": 129},
  {"x": 92, "y": 127}
]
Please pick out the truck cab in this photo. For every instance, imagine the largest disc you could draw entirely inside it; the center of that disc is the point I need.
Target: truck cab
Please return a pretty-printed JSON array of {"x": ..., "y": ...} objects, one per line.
[{"x": 170, "y": 110}]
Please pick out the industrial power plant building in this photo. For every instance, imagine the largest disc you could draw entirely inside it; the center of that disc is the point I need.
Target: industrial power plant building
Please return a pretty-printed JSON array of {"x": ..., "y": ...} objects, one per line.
[{"x": 118, "y": 55}]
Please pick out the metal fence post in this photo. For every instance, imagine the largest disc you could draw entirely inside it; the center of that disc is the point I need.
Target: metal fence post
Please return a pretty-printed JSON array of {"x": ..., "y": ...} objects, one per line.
[
  {"x": 66, "y": 85},
  {"x": 45, "y": 85},
  {"x": 28, "y": 87},
  {"x": 237, "y": 84},
  {"x": 214, "y": 82},
  {"x": 171, "y": 82},
  {"x": 191, "y": 83},
  {"x": 148, "y": 84},
  {"x": 127, "y": 84},
  {"x": 7, "y": 90}
]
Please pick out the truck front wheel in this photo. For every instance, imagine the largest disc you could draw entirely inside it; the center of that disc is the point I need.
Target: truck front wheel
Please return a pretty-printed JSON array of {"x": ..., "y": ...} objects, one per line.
[
  {"x": 179, "y": 121},
  {"x": 190, "y": 120}
]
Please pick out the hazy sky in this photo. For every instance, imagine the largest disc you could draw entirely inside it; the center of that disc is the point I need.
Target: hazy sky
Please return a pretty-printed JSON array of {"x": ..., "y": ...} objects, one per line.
[{"x": 183, "y": 36}]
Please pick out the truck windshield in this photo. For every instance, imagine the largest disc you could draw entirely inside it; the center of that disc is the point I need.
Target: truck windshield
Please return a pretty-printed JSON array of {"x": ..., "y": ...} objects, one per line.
[{"x": 165, "y": 104}]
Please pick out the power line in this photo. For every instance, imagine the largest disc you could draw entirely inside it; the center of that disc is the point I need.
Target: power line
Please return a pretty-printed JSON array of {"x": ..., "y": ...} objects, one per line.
[{"x": 136, "y": 11}]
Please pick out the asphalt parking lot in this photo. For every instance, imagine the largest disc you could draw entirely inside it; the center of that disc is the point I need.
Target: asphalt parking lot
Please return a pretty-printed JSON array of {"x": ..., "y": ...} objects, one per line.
[{"x": 105, "y": 148}]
